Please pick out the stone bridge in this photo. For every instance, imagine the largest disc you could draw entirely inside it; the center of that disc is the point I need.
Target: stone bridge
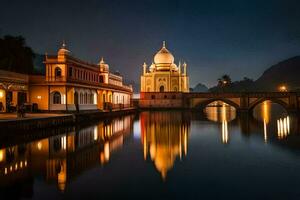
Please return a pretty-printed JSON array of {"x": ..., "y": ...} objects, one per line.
[{"x": 243, "y": 101}]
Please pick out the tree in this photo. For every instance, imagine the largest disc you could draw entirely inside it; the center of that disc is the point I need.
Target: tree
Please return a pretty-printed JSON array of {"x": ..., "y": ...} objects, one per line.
[
  {"x": 225, "y": 80},
  {"x": 15, "y": 55}
]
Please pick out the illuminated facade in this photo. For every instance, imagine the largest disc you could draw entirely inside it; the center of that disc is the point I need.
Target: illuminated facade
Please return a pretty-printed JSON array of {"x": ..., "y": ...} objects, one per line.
[
  {"x": 72, "y": 84},
  {"x": 13, "y": 90},
  {"x": 163, "y": 75}
]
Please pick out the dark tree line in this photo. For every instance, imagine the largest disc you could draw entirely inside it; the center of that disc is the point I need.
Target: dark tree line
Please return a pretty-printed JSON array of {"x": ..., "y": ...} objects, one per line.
[
  {"x": 15, "y": 55},
  {"x": 226, "y": 85}
]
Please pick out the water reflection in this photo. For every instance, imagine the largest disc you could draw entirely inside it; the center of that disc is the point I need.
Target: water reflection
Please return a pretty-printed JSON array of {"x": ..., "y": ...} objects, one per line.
[
  {"x": 164, "y": 138},
  {"x": 283, "y": 127},
  {"x": 221, "y": 112},
  {"x": 61, "y": 158},
  {"x": 264, "y": 113},
  {"x": 163, "y": 142}
]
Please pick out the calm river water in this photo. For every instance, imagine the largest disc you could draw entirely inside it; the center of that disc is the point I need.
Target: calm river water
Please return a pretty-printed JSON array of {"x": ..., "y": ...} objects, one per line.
[{"x": 160, "y": 155}]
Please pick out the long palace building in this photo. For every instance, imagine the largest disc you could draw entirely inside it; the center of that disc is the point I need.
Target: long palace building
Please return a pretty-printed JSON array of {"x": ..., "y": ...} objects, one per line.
[{"x": 69, "y": 84}]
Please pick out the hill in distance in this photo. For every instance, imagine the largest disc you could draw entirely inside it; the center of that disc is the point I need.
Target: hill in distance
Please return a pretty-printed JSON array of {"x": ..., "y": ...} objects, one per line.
[{"x": 286, "y": 73}]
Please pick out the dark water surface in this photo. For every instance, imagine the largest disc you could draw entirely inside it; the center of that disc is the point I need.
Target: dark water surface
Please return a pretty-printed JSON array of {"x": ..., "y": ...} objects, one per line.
[{"x": 161, "y": 155}]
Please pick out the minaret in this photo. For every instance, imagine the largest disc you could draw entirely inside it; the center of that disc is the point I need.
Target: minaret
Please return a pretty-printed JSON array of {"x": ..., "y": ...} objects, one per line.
[
  {"x": 144, "y": 68},
  {"x": 179, "y": 70},
  {"x": 184, "y": 68}
]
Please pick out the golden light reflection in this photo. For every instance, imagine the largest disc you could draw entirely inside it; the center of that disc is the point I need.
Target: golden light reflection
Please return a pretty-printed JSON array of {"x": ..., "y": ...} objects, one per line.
[
  {"x": 219, "y": 111},
  {"x": 283, "y": 127},
  {"x": 266, "y": 113},
  {"x": 224, "y": 125},
  {"x": 62, "y": 176},
  {"x": 2, "y": 152},
  {"x": 164, "y": 137}
]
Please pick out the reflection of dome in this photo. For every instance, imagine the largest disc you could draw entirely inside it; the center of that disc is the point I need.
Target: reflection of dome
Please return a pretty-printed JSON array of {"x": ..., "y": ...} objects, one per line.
[
  {"x": 163, "y": 56},
  {"x": 164, "y": 159}
]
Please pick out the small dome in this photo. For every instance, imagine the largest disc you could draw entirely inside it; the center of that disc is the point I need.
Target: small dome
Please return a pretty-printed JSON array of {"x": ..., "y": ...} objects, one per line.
[
  {"x": 152, "y": 67},
  {"x": 63, "y": 50},
  {"x": 103, "y": 65},
  {"x": 163, "y": 56}
]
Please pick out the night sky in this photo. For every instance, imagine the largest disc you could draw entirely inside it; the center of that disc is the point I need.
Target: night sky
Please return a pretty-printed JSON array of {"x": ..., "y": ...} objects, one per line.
[{"x": 237, "y": 37}]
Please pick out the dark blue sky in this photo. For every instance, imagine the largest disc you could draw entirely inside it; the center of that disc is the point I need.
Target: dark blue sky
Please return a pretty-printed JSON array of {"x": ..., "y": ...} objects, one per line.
[{"x": 237, "y": 37}]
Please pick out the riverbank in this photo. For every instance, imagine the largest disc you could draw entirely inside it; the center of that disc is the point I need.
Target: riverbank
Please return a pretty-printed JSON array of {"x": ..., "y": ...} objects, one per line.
[{"x": 10, "y": 121}]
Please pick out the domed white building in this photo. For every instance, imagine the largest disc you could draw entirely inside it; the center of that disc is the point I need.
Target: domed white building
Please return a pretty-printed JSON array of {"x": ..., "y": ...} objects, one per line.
[{"x": 163, "y": 75}]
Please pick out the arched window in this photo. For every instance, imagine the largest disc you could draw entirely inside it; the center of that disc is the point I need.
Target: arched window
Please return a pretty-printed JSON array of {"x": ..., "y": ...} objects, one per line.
[
  {"x": 103, "y": 97},
  {"x": 81, "y": 98},
  {"x": 101, "y": 79},
  {"x": 91, "y": 98},
  {"x": 57, "y": 72},
  {"x": 161, "y": 88},
  {"x": 56, "y": 98},
  {"x": 85, "y": 98}
]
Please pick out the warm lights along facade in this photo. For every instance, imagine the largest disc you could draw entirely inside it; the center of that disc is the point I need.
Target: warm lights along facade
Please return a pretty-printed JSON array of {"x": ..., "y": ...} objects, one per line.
[{"x": 72, "y": 84}]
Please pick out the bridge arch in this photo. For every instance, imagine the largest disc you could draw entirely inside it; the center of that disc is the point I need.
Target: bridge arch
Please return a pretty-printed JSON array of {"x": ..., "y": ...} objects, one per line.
[
  {"x": 273, "y": 100},
  {"x": 203, "y": 104}
]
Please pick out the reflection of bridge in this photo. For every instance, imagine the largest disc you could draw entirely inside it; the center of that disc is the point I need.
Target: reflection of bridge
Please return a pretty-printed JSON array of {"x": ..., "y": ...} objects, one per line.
[{"x": 241, "y": 101}]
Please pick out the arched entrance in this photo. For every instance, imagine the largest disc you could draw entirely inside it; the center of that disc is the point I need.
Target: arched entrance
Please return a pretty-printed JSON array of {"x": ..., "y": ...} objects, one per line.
[{"x": 161, "y": 88}]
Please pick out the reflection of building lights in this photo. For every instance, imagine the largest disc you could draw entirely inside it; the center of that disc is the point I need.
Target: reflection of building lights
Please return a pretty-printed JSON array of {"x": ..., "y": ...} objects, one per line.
[
  {"x": 39, "y": 145},
  {"x": 5, "y": 170},
  {"x": 64, "y": 142},
  {"x": 96, "y": 133},
  {"x": 224, "y": 125},
  {"x": 106, "y": 151},
  {"x": 1, "y": 155},
  {"x": 62, "y": 176},
  {"x": 25, "y": 163},
  {"x": 265, "y": 131},
  {"x": 224, "y": 132},
  {"x": 283, "y": 127}
]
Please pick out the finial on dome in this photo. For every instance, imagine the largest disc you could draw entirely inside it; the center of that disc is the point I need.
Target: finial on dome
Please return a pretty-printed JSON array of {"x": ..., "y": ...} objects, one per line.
[
  {"x": 164, "y": 44},
  {"x": 64, "y": 44},
  {"x": 102, "y": 60},
  {"x": 144, "y": 65}
]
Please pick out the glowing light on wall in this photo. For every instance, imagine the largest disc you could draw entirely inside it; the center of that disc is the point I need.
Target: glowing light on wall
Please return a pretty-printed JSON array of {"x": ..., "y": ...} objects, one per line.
[
  {"x": 63, "y": 99},
  {"x": 39, "y": 97},
  {"x": 1, "y": 94},
  {"x": 95, "y": 98},
  {"x": 39, "y": 145}
]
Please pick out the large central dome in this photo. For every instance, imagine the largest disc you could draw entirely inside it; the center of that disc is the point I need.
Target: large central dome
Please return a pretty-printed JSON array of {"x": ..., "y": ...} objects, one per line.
[{"x": 163, "y": 56}]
